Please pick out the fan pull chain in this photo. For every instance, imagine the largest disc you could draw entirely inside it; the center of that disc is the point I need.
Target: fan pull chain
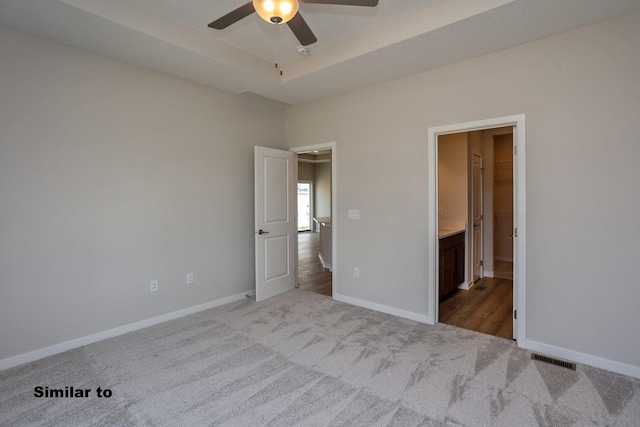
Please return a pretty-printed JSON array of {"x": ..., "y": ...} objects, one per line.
[{"x": 278, "y": 66}]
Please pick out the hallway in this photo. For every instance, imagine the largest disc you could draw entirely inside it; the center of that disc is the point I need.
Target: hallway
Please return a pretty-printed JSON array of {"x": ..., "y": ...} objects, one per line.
[{"x": 312, "y": 276}]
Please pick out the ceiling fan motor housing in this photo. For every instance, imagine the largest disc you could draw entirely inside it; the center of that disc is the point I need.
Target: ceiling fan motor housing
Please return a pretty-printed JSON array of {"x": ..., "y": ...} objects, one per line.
[
  {"x": 276, "y": 11},
  {"x": 283, "y": 11}
]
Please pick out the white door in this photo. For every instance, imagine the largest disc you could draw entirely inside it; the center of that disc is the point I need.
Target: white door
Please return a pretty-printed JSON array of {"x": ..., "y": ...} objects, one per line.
[
  {"x": 476, "y": 195},
  {"x": 275, "y": 221}
]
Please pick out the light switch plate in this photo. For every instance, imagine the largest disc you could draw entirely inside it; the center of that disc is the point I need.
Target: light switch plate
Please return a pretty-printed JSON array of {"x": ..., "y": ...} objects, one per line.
[{"x": 354, "y": 214}]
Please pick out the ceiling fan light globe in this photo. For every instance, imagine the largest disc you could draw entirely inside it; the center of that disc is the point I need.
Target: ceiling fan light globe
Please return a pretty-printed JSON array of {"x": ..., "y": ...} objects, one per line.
[
  {"x": 271, "y": 10},
  {"x": 285, "y": 8}
]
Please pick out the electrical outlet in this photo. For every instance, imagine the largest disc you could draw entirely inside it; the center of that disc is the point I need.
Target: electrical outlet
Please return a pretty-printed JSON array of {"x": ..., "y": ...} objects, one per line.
[
  {"x": 356, "y": 272},
  {"x": 189, "y": 278},
  {"x": 154, "y": 286}
]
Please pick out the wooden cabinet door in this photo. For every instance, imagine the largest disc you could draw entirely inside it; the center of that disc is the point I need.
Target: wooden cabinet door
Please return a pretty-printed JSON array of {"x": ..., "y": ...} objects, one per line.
[
  {"x": 458, "y": 276},
  {"x": 451, "y": 264}
]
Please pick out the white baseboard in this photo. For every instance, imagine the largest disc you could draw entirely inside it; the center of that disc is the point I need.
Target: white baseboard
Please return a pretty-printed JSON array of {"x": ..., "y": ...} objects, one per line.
[
  {"x": 583, "y": 358},
  {"x": 550, "y": 350},
  {"x": 324, "y": 264},
  {"x": 382, "y": 308},
  {"x": 465, "y": 286},
  {"x": 121, "y": 330},
  {"x": 534, "y": 346}
]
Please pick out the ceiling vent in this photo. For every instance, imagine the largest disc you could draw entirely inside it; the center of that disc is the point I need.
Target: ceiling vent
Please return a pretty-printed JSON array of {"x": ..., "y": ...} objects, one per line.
[{"x": 263, "y": 99}]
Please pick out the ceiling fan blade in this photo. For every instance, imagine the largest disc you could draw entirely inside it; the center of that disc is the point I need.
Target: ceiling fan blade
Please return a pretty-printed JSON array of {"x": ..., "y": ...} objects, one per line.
[
  {"x": 301, "y": 30},
  {"x": 370, "y": 3},
  {"x": 233, "y": 16}
]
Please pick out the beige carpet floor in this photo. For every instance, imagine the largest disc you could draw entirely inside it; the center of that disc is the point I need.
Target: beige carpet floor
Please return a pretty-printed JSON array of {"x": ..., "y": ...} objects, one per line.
[{"x": 304, "y": 359}]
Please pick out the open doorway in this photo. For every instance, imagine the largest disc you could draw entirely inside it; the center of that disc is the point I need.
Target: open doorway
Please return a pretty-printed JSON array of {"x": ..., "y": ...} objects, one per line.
[
  {"x": 502, "y": 175},
  {"x": 475, "y": 298},
  {"x": 463, "y": 235},
  {"x": 315, "y": 247}
]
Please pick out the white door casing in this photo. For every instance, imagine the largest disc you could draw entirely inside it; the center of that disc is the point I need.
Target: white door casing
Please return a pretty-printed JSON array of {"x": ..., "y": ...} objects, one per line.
[
  {"x": 477, "y": 216},
  {"x": 276, "y": 243},
  {"x": 518, "y": 215}
]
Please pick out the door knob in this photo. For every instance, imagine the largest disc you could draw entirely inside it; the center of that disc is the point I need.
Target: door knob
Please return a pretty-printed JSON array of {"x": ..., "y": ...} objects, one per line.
[{"x": 262, "y": 232}]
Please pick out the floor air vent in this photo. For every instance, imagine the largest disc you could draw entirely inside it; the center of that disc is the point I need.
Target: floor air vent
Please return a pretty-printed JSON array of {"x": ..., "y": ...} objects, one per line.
[{"x": 553, "y": 361}]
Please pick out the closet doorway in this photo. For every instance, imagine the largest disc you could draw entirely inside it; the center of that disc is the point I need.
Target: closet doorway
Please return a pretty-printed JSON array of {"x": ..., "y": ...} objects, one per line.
[{"x": 503, "y": 206}]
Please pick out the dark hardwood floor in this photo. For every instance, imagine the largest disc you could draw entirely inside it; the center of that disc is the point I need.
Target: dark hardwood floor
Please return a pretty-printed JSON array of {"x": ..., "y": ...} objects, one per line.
[
  {"x": 487, "y": 307},
  {"x": 312, "y": 276}
]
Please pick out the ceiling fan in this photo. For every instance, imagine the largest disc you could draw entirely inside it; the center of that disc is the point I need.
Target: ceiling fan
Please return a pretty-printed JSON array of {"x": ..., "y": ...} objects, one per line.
[{"x": 283, "y": 11}]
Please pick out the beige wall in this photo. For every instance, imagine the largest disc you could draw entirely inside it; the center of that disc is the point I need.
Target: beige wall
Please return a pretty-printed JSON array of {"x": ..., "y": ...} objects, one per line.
[
  {"x": 322, "y": 189},
  {"x": 580, "y": 93},
  {"x": 453, "y": 177},
  {"x": 111, "y": 176},
  {"x": 306, "y": 171}
]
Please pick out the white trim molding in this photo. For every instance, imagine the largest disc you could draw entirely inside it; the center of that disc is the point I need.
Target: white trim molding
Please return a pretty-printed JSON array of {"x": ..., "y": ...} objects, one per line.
[
  {"x": 121, "y": 330},
  {"x": 381, "y": 308},
  {"x": 324, "y": 263}
]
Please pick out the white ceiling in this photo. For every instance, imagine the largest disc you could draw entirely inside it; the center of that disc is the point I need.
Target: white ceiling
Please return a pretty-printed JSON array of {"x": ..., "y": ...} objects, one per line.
[{"x": 357, "y": 46}]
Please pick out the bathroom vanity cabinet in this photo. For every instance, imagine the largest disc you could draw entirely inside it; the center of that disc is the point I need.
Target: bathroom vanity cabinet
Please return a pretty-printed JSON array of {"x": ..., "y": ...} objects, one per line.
[{"x": 451, "y": 262}]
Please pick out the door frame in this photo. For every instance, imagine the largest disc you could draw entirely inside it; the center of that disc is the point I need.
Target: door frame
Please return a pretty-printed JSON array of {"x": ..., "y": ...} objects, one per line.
[
  {"x": 334, "y": 204},
  {"x": 472, "y": 156},
  {"x": 519, "y": 214}
]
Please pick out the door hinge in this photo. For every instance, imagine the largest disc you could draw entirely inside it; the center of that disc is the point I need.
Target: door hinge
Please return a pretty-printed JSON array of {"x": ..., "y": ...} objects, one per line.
[
  {"x": 515, "y": 314},
  {"x": 481, "y": 262},
  {"x": 515, "y": 232}
]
